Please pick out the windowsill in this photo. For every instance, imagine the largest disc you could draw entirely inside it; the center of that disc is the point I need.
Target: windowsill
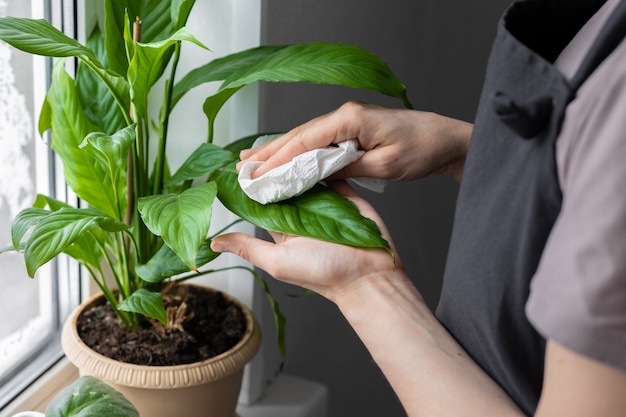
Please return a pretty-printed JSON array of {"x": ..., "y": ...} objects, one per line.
[
  {"x": 37, "y": 396},
  {"x": 288, "y": 396}
]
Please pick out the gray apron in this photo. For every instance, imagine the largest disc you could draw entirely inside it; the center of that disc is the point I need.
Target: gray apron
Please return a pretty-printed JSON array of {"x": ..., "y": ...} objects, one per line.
[{"x": 510, "y": 196}]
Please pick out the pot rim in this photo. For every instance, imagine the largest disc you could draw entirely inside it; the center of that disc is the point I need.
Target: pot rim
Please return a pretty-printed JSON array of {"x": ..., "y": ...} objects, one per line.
[{"x": 93, "y": 363}]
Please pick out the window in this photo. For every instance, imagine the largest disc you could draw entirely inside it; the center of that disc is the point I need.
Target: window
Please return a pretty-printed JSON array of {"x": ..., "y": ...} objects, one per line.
[
  {"x": 31, "y": 310},
  {"x": 30, "y": 345}
]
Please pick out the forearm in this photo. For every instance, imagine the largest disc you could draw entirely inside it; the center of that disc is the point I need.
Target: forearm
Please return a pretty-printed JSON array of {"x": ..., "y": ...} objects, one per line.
[
  {"x": 461, "y": 132},
  {"x": 431, "y": 374}
]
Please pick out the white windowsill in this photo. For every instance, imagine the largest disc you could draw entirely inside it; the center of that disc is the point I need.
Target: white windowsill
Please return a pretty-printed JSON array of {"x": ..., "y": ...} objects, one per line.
[
  {"x": 288, "y": 396},
  {"x": 37, "y": 396}
]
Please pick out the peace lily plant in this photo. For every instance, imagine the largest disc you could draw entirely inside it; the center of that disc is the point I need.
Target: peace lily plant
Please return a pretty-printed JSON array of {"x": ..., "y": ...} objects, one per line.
[{"x": 144, "y": 226}]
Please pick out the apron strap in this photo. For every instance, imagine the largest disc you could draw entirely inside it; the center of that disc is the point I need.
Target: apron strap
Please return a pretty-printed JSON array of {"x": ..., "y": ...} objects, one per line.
[{"x": 609, "y": 38}]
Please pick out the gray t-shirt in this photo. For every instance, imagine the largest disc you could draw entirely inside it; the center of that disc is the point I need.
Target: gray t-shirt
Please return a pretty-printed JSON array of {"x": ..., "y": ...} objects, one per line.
[{"x": 578, "y": 294}]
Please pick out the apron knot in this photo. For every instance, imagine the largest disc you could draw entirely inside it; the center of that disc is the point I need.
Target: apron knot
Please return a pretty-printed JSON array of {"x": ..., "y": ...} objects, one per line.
[{"x": 528, "y": 118}]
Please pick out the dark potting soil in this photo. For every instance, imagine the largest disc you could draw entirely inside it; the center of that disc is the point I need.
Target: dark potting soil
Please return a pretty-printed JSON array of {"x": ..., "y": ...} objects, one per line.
[{"x": 215, "y": 326}]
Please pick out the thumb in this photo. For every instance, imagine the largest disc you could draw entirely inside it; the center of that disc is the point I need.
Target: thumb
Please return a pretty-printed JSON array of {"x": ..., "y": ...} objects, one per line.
[{"x": 245, "y": 246}]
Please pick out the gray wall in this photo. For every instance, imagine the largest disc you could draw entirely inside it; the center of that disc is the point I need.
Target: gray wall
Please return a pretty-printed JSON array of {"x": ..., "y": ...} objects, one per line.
[{"x": 438, "y": 48}]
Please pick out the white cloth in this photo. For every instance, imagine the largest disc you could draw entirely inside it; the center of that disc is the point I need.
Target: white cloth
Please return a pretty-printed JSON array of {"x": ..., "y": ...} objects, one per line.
[{"x": 301, "y": 173}]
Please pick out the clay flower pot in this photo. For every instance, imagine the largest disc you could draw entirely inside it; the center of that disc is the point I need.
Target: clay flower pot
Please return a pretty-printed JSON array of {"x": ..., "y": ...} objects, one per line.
[{"x": 209, "y": 388}]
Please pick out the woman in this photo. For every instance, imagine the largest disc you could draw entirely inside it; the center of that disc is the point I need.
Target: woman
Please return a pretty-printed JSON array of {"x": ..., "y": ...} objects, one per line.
[{"x": 532, "y": 317}]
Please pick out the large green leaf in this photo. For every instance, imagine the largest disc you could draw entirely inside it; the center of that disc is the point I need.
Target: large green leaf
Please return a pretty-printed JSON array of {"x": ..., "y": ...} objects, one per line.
[
  {"x": 166, "y": 264},
  {"x": 70, "y": 126},
  {"x": 204, "y": 160},
  {"x": 159, "y": 20},
  {"x": 318, "y": 213},
  {"x": 322, "y": 63},
  {"x": 56, "y": 231},
  {"x": 149, "y": 62},
  {"x": 114, "y": 23},
  {"x": 98, "y": 103},
  {"x": 182, "y": 220},
  {"x": 180, "y": 11},
  {"x": 41, "y": 38},
  {"x": 90, "y": 397},
  {"x": 146, "y": 303},
  {"x": 220, "y": 68}
]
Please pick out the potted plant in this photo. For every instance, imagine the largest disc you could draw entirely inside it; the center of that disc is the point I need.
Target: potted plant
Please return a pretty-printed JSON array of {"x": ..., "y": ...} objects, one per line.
[{"x": 143, "y": 227}]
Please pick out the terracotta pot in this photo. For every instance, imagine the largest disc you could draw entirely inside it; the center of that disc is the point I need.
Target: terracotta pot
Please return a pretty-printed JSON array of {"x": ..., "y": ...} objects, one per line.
[{"x": 204, "y": 389}]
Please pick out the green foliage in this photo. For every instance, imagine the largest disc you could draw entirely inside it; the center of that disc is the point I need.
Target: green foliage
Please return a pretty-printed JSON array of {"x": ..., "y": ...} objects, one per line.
[
  {"x": 147, "y": 227},
  {"x": 90, "y": 397}
]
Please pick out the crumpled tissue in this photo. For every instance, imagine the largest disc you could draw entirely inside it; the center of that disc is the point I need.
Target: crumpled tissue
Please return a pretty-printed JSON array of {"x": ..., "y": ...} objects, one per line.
[{"x": 302, "y": 173}]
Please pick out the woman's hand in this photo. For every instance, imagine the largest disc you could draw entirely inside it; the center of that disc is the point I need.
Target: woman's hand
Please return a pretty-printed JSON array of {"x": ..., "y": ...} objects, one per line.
[
  {"x": 329, "y": 269},
  {"x": 429, "y": 371},
  {"x": 400, "y": 144}
]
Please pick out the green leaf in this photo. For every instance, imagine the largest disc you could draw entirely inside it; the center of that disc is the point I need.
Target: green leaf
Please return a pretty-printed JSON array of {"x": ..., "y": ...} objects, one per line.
[
  {"x": 23, "y": 222},
  {"x": 39, "y": 37},
  {"x": 114, "y": 20},
  {"x": 98, "y": 103},
  {"x": 322, "y": 63},
  {"x": 90, "y": 397},
  {"x": 318, "y": 213},
  {"x": 204, "y": 160},
  {"x": 85, "y": 249},
  {"x": 111, "y": 154},
  {"x": 148, "y": 64},
  {"x": 43, "y": 201},
  {"x": 213, "y": 104},
  {"x": 165, "y": 264},
  {"x": 145, "y": 302},
  {"x": 160, "y": 19},
  {"x": 220, "y": 68},
  {"x": 182, "y": 220},
  {"x": 180, "y": 11},
  {"x": 56, "y": 231},
  {"x": 69, "y": 127},
  {"x": 45, "y": 117},
  {"x": 239, "y": 145}
]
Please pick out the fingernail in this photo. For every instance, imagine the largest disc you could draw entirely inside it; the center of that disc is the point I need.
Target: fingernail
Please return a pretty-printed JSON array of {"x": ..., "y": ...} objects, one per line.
[{"x": 217, "y": 247}]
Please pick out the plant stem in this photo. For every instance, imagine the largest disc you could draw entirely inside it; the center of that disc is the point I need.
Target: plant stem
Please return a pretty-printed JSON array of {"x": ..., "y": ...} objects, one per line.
[
  {"x": 128, "y": 319},
  {"x": 165, "y": 120},
  {"x": 139, "y": 187},
  {"x": 211, "y": 130},
  {"x": 228, "y": 226},
  {"x": 279, "y": 317}
]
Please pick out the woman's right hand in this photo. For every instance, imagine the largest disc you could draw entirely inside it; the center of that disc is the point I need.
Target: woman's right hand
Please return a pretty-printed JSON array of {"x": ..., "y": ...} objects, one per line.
[{"x": 400, "y": 144}]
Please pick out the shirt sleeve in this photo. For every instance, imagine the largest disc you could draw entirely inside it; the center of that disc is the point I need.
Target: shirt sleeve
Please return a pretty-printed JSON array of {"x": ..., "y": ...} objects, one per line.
[{"x": 578, "y": 294}]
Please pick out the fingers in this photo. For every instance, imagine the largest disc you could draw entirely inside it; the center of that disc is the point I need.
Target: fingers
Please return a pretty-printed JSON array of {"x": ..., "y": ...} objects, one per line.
[{"x": 320, "y": 132}]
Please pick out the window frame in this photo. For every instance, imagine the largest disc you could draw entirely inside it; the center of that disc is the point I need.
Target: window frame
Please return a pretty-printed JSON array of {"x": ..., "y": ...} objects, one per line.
[{"x": 66, "y": 284}]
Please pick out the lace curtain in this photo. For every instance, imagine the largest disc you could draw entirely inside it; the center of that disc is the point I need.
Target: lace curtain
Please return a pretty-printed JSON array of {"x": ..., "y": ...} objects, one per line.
[{"x": 16, "y": 135}]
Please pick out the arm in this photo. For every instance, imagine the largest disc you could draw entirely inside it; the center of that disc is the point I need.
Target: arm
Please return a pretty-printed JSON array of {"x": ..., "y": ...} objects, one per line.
[
  {"x": 401, "y": 144},
  {"x": 428, "y": 370},
  {"x": 431, "y": 374}
]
